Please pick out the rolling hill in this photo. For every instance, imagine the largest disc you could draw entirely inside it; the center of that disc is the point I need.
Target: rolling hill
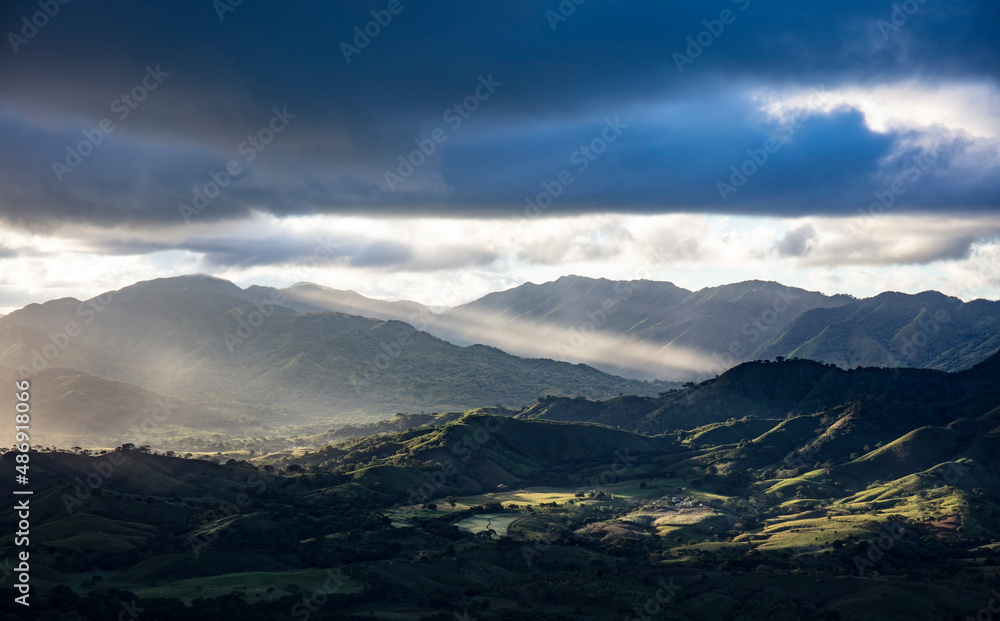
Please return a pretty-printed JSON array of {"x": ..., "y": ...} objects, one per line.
[
  {"x": 815, "y": 498},
  {"x": 776, "y": 390}
]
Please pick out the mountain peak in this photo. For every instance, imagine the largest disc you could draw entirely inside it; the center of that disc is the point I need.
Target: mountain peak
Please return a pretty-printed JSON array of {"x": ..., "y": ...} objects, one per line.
[
  {"x": 303, "y": 284},
  {"x": 200, "y": 283}
]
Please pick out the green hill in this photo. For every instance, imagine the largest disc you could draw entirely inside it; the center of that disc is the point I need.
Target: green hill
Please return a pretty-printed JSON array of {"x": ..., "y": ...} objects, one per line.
[
  {"x": 779, "y": 389},
  {"x": 927, "y": 330},
  {"x": 846, "y": 507}
]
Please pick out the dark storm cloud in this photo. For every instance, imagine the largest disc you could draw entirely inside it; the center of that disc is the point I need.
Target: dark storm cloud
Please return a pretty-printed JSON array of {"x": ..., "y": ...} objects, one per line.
[
  {"x": 797, "y": 242},
  {"x": 943, "y": 247},
  {"x": 225, "y": 77},
  {"x": 236, "y": 250},
  {"x": 382, "y": 254},
  {"x": 239, "y": 250}
]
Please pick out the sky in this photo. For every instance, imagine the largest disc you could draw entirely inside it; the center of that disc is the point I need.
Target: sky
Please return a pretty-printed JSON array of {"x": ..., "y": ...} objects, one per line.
[{"x": 438, "y": 151}]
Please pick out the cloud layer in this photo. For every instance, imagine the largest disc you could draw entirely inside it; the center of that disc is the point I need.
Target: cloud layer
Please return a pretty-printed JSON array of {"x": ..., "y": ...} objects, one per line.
[
  {"x": 488, "y": 104},
  {"x": 443, "y": 150},
  {"x": 446, "y": 262}
]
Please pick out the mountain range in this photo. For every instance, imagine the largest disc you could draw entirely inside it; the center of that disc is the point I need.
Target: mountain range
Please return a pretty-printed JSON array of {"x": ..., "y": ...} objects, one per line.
[
  {"x": 655, "y": 330},
  {"x": 242, "y": 357},
  {"x": 250, "y": 360}
]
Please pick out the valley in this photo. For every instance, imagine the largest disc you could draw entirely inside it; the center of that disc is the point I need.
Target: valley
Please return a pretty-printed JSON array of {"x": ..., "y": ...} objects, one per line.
[{"x": 838, "y": 510}]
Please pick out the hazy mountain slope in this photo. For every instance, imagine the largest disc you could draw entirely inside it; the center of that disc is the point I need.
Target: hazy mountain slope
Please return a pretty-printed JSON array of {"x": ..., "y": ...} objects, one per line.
[
  {"x": 634, "y": 328},
  {"x": 927, "y": 330},
  {"x": 306, "y": 297},
  {"x": 206, "y": 340},
  {"x": 134, "y": 334},
  {"x": 654, "y": 329},
  {"x": 331, "y": 360},
  {"x": 69, "y": 407}
]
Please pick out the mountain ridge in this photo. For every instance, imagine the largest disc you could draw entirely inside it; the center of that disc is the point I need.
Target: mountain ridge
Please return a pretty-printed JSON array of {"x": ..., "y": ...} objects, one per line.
[{"x": 207, "y": 341}]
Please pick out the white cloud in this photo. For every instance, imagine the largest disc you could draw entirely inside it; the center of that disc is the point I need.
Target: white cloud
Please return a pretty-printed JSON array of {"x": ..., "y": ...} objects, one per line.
[
  {"x": 969, "y": 108},
  {"x": 452, "y": 261}
]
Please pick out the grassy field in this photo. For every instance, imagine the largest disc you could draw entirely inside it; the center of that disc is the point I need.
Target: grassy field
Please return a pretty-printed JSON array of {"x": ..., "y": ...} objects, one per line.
[
  {"x": 252, "y": 585},
  {"x": 499, "y": 522},
  {"x": 530, "y": 496}
]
